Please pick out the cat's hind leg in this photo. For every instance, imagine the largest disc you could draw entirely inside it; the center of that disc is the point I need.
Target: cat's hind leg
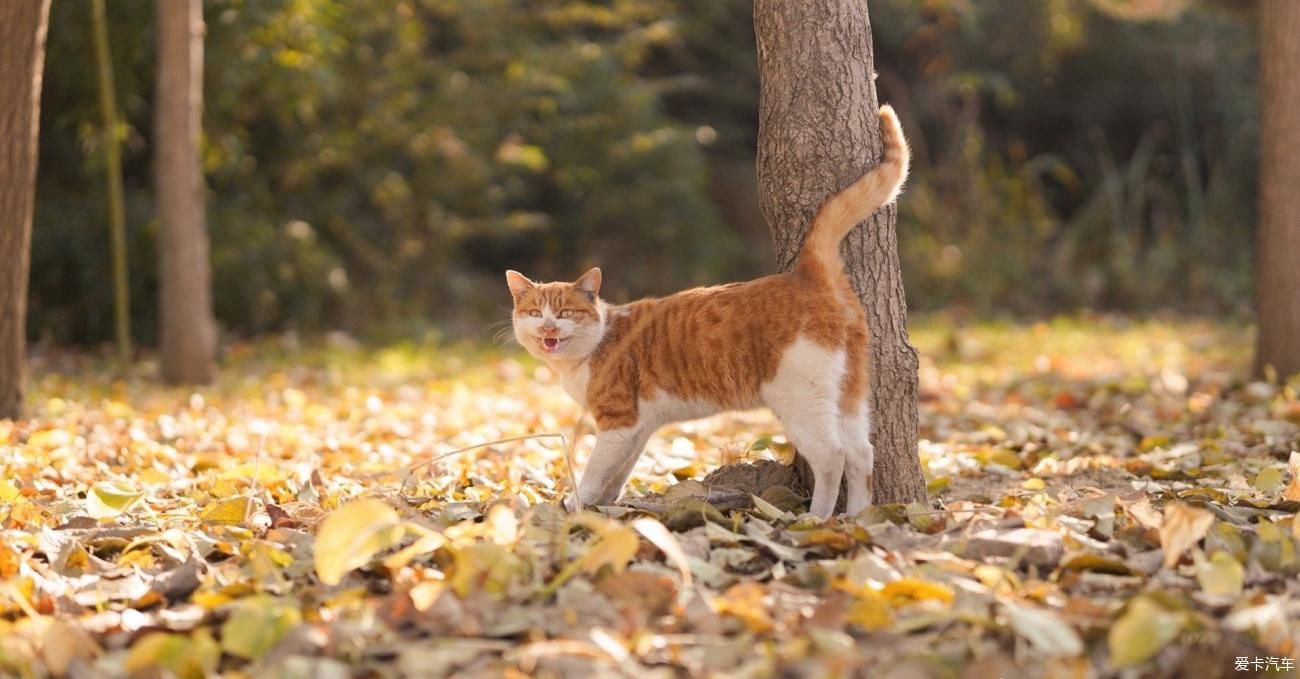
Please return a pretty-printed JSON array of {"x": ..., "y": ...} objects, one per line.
[
  {"x": 805, "y": 395},
  {"x": 860, "y": 455}
]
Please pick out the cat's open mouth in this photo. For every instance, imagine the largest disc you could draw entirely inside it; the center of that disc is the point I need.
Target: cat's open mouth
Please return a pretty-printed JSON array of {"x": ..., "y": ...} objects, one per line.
[{"x": 552, "y": 344}]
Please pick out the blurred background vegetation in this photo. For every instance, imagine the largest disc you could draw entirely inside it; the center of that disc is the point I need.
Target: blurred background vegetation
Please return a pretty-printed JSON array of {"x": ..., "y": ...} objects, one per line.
[{"x": 374, "y": 165}]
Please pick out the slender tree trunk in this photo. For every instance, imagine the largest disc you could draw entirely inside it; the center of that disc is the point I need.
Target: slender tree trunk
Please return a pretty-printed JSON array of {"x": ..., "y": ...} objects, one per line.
[
  {"x": 1277, "y": 264},
  {"x": 818, "y": 132},
  {"x": 188, "y": 331},
  {"x": 22, "y": 61},
  {"x": 113, "y": 171}
]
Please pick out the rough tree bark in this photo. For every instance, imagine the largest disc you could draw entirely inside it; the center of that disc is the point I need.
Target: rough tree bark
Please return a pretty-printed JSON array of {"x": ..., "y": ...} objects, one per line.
[
  {"x": 22, "y": 61},
  {"x": 188, "y": 331},
  {"x": 1277, "y": 259},
  {"x": 818, "y": 132}
]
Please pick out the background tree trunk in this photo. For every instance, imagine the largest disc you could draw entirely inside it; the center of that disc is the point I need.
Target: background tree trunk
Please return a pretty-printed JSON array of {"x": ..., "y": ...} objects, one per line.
[
  {"x": 188, "y": 331},
  {"x": 22, "y": 60},
  {"x": 818, "y": 132},
  {"x": 1277, "y": 259}
]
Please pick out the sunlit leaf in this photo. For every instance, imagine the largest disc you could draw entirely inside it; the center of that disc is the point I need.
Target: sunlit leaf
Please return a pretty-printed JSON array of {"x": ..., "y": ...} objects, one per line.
[
  {"x": 230, "y": 511},
  {"x": 915, "y": 589},
  {"x": 108, "y": 499},
  {"x": 352, "y": 535}
]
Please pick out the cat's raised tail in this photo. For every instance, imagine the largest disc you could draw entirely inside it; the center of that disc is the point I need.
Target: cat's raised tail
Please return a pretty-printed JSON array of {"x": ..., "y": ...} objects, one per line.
[{"x": 844, "y": 210}]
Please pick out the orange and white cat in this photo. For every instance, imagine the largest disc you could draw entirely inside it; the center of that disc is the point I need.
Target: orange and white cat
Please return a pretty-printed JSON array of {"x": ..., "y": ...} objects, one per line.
[{"x": 796, "y": 342}]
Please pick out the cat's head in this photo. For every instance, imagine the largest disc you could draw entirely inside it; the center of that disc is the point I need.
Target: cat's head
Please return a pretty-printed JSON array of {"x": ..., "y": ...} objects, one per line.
[{"x": 558, "y": 321}]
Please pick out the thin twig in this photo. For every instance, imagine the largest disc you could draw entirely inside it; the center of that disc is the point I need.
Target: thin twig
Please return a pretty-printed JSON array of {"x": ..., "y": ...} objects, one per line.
[
  {"x": 411, "y": 472},
  {"x": 257, "y": 479}
]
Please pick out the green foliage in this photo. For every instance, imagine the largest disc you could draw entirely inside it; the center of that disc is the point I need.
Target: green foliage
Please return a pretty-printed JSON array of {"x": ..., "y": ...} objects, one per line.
[
  {"x": 1069, "y": 157},
  {"x": 377, "y": 161},
  {"x": 365, "y": 158}
]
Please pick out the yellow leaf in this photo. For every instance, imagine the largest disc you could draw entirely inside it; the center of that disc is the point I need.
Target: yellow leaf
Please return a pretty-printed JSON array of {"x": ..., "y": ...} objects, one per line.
[
  {"x": 350, "y": 536},
  {"x": 257, "y": 625},
  {"x": 186, "y": 657},
  {"x": 108, "y": 499},
  {"x": 1141, "y": 632},
  {"x": 614, "y": 548},
  {"x": 230, "y": 511},
  {"x": 8, "y": 491},
  {"x": 915, "y": 589},
  {"x": 1034, "y": 484},
  {"x": 834, "y": 540},
  {"x": 870, "y": 612},
  {"x": 137, "y": 557},
  {"x": 1267, "y": 480},
  {"x": 1220, "y": 575},
  {"x": 486, "y": 565},
  {"x": 745, "y": 602},
  {"x": 1184, "y": 526}
]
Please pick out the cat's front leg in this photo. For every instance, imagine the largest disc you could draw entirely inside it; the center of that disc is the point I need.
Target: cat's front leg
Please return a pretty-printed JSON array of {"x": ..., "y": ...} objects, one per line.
[{"x": 610, "y": 465}]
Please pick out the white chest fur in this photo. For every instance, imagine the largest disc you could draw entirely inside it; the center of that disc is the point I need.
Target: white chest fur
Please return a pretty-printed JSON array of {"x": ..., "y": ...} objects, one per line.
[{"x": 574, "y": 380}]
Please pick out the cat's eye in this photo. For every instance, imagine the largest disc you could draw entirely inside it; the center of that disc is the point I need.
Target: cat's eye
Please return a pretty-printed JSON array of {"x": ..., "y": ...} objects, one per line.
[
  {"x": 535, "y": 313},
  {"x": 566, "y": 313}
]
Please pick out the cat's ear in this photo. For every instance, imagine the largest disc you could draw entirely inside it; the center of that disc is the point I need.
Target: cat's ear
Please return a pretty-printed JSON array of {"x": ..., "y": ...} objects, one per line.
[
  {"x": 518, "y": 283},
  {"x": 589, "y": 282}
]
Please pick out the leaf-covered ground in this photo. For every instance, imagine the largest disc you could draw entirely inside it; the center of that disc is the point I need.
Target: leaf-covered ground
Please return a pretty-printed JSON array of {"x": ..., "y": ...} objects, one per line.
[{"x": 1108, "y": 498}]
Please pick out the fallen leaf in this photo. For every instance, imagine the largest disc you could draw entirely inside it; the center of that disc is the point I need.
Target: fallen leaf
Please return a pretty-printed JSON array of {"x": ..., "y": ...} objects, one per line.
[
  {"x": 1183, "y": 526},
  {"x": 231, "y": 511},
  {"x": 188, "y": 657},
  {"x": 661, "y": 537},
  {"x": 745, "y": 602},
  {"x": 65, "y": 643},
  {"x": 257, "y": 625},
  {"x": 1045, "y": 630},
  {"x": 614, "y": 548},
  {"x": 352, "y": 535},
  {"x": 1139, "y": 634},
  {"x": 1267, "y": 480},
  {"x": 108, "y": 499},
  {"x": 1220, "y": 575},
  {"x": 1292, "y": 491}
]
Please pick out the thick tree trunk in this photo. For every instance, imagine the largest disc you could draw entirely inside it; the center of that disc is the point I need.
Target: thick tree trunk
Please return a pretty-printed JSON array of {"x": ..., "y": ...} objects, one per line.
[
  {"x": 818, "y": 132},
  {"x": 188, "y": 331},
  {"x": 1277, "y": 263},
  {"x": 22, "y": 60}
]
